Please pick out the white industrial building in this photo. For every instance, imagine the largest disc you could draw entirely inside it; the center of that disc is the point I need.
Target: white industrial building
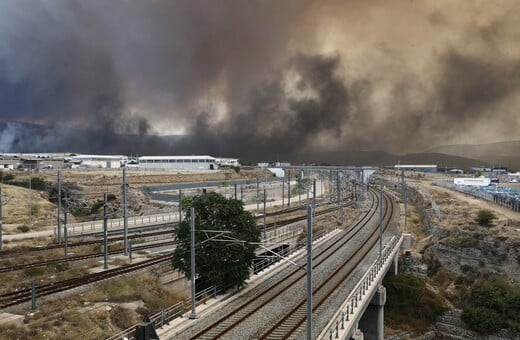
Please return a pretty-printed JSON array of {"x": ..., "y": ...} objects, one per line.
[
  {"x": 184, "y": 162},
  {"x": 97, "y": 161},
  {"x": 416, "y": 167},
  {"x": 471, "y": 181}
]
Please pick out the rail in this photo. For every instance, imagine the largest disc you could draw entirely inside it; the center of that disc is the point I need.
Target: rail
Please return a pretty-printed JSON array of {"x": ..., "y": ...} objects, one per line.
[{"x": 343, "y": 320}]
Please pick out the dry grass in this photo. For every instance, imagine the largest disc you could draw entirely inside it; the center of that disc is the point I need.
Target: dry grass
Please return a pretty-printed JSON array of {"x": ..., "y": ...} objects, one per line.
[
  {"x": 95, "y": 313},
  {"x": 16, "y": 211}
]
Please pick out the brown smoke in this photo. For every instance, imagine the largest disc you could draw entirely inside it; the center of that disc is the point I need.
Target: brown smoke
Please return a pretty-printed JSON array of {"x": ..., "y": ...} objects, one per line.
[{"x": 259, "y": 79}]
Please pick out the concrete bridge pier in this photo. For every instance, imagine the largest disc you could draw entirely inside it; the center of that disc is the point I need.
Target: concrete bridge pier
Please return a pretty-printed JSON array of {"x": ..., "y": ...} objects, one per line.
[
  {"x": 358, "y": 335},
  {"x": 372, "y": 321},
  {"x": 396, "y": 263}
]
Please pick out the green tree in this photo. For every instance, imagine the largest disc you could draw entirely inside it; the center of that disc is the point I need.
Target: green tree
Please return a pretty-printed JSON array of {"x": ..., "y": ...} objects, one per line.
[
  {"x": 301, "y": 186},
  {"x": 224, "y": 264},
  {"x": 484, "y": 217}
]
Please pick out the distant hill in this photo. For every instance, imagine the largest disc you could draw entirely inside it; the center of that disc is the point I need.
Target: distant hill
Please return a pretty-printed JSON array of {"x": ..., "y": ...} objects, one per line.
[
  {"x": 498, "y": 154},
  {"x": 382, "y": 158}
]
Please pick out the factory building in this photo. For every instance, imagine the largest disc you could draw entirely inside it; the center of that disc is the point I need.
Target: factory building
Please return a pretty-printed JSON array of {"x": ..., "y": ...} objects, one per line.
[
  {"x": 177, "y": 163},
  {"x": 184, "y": 162},
  {"x": 97, "y": 161},
  {"x": 417, "y": 168}
]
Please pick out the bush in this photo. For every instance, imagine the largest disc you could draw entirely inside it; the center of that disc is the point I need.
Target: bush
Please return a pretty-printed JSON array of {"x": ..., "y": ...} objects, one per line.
[
  {"x": 38, "y": 183},
  {"x": 23, "y": 228},
  {"x": 6, "y": 176},
  {"x": 410, "y": 303},
  {"x": 484, "y": 217},
  {"x": 493, "y": 305},
  {"x": 482, "y": 319},
  {"x": 35, "y": 208},
  {"x": 33, "y": 271}
]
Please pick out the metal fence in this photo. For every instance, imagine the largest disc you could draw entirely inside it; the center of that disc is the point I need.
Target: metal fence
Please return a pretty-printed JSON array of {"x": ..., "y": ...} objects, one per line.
[
  {"x": 118, "y": 223},
  {"x": 344, "y": 318},
  {"x": 435, "y": 207},
  {"x": 502, "y": 196},
  {"x": 166, "y": 315}
]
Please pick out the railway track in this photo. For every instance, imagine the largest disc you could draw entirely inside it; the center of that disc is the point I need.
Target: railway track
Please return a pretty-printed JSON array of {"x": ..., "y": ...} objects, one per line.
[
  {"x": 24, "y": 295},
  {"x": 290, "y": 325},
  {"x": 303, "y": 217},
  {"x": 223, "y": 325},
  {"x": 134, "y": 235},
  {"x": 25, "y": 250},
  {"x": 81, "y": 257},
  {"x": 15, "y": 267}
]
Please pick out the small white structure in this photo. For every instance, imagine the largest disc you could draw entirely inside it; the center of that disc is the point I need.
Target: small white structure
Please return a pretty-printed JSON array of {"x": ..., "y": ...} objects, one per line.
[
  {"x": 278, "y": 172},
  {"x": 227, "y": 161},
  {"x": 476, "y": 182},
  {"x": 416, "y": 167},
  {"x": 97, "y": 161}
]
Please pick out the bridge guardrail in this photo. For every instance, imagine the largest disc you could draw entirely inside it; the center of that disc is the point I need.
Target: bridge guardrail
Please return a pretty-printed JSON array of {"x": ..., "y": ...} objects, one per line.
[{"x": 343, "y": 320}]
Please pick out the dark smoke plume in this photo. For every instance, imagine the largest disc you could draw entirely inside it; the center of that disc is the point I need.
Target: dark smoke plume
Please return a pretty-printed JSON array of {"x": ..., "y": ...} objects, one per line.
[
  {"x": 276, "y": 124},
  {"x": 256, "y": 79}
]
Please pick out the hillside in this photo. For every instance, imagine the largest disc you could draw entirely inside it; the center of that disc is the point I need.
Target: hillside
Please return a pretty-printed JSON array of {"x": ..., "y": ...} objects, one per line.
[
  {"x": 382, "y": 158},
  {"x": 499, "y": 154}
]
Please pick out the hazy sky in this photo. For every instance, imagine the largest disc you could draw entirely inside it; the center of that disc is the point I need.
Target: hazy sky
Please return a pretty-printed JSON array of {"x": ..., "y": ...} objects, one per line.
[{"x": 244, "y": 77}]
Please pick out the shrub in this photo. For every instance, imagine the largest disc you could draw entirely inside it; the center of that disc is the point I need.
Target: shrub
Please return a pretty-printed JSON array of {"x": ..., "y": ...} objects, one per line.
[
  {"x": 38, "y": 183},
  {"x": 33, "y": 271},
  {"x": 35, "y": 208},
  {"x": 23, "y": 228},
  {"x": 484, "y": 217},
  {"x": 6, "y": 176},
  {"x": 482, "y": 319},
  {"x": 410, "y": 303},
  {"x": 493, "y": 305}
]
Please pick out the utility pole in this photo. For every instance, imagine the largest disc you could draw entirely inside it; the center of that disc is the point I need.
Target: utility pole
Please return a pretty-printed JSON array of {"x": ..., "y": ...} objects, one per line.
[
  {"x": 30, "y": 199},
  {"x": 65, "y": 221},
  {"x": 180, "y": 206},
  {"x": 125, "y": 214},
  {"x": 257, "y": 193},
  {"x": 59, "y": 207},
  {"x": 362, "y": 186},
  {"x": 337, "y": 185},
  {"x": 265, "y": 200},
  {"x": 289, "y": 191},
  {"x": 313, "y": 196},
  {"x": 381, "y": 220},
  {"x": 309, "y": 271},
  {"x": 283, "y": 191},
  {"x": 235, "y": 191},
  {"x": 330, "y": 186},
  {"x": 193, "y": 314},
  {"x": 1, "y": 241},
  {"x": 403, "y": 195},
  {"x": 105, "y": 231}
]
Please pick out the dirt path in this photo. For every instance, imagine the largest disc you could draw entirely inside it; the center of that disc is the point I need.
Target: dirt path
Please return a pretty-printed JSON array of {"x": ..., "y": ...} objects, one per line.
[{"x": 476, "y": 202}]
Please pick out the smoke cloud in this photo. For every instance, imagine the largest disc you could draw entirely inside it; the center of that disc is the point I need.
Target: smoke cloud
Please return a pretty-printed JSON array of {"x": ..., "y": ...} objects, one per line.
[{"x": 256, "y": 79}]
